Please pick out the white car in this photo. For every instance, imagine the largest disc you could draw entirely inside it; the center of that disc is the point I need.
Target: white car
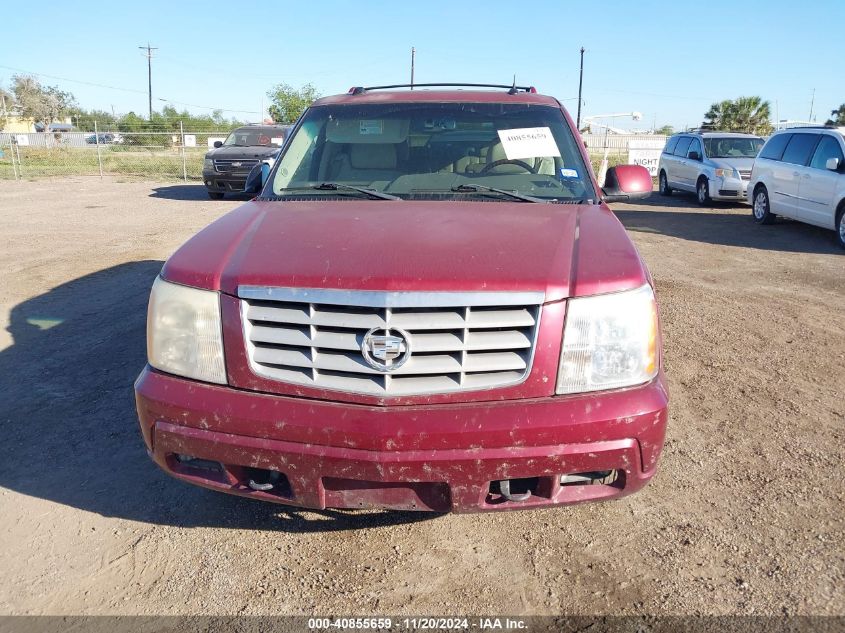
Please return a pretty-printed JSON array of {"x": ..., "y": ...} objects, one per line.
[
  {"x": 712, "y": 165},
  {"x": 800, "y": 174}
]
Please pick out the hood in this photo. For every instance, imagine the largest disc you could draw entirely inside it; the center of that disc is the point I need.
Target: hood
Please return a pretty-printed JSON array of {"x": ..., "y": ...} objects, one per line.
[
  {"x": 561, "y": 250},
  {"x": 743, "y": 163},
  {"x": 242, "y": 152}
]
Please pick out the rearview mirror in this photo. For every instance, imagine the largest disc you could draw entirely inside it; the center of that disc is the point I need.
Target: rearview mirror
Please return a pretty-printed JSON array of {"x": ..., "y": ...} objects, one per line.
[
  {"x": 626, "y": 182},
  {"x": 832, "y": 164},
  {"x": 218, "y": 144},
  {"x": 693, "y": 155},
  {"x": 256, "y": 179}
]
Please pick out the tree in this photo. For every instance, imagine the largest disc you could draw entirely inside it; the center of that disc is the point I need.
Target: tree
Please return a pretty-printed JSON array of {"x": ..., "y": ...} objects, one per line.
[
  {"x": 288, "y": 102},
  {"x": 838, "y": 116},
  {"x": 745, "y": 114},
  {"x": 83, "y": 119},
  {"x": 39, "y": 103},
  {"x": 6, "y": 103},
  {"x": 665, "y": 130}
]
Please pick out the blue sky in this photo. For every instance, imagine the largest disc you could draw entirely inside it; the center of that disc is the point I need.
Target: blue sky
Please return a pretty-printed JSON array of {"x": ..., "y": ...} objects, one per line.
[{"x": 668, "y": 60}]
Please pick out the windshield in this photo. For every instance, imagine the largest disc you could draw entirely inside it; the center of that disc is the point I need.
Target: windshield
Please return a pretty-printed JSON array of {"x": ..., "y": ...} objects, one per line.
[
  {"x": 716, "y": 147},
  {"x": 253, "y": 137},
  {"x": 435, "y": 151}
]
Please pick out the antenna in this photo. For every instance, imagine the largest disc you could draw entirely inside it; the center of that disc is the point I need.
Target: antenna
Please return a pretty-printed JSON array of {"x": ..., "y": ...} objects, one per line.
[{"x": 513, "y": 89}]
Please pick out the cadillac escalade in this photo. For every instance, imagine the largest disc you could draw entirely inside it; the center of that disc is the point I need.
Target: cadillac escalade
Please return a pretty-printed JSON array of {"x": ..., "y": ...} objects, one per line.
[{"x": 428, "y": 305}]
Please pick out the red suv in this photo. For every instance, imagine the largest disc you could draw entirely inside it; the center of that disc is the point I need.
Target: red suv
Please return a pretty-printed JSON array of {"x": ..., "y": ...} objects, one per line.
[{"x": 427, "y": 306}]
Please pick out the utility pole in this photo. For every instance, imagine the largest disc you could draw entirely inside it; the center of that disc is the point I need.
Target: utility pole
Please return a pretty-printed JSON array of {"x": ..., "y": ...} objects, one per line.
[
  {"x": 149, "y": 55},
  {"x": 413, "y": 54},
  {"x": 580, "y": 85},
  {"x": 812, "y": 103}
]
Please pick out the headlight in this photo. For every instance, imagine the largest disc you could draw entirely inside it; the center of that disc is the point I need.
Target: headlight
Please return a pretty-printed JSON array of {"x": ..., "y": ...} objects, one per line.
[
  {"x": 184, "y": 332},
  {"x": 609, "y": 341},
  {"x": 726, "y": 173},
  {"x": 208, "y": 163}
]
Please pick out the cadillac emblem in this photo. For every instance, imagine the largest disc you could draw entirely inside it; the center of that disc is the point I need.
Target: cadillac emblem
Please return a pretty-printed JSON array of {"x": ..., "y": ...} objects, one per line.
[{"x": 386, "y": 349}]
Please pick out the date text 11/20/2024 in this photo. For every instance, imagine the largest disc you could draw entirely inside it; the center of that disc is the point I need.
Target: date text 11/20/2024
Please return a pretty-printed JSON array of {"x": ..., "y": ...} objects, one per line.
[{"x": 418, "y": 624}]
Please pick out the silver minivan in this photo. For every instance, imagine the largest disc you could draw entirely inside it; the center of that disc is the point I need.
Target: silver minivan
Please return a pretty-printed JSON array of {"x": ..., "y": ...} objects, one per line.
[{"x": 713, "y": 165}]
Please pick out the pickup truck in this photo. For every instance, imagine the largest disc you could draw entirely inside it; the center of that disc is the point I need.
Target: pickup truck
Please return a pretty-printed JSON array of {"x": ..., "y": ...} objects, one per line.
[{"x": 428, "y": 305}]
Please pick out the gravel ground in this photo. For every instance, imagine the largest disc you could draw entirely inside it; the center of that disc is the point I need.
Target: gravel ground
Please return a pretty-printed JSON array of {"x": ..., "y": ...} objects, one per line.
[{"x": 745, "y": 515}]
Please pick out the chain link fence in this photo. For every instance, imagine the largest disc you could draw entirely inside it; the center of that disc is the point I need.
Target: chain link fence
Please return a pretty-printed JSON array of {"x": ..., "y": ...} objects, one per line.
[
  {"x": 160, "y": 155},
  {"x": 171, "y": 155}
]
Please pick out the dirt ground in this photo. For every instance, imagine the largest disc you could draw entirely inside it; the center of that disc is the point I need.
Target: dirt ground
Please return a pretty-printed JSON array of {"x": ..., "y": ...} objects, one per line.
[{"x": 744, "y": 516}]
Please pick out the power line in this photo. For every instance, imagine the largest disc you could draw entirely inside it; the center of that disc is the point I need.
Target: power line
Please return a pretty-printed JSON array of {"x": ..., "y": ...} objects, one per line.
[
  {"x": 122, "y": 89},
  {"x": 76, "y": 81}
]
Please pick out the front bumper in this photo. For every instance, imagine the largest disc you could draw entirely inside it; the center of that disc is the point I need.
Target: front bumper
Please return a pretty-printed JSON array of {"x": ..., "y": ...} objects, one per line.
[
  {"x": 728, "y": 189},
  {"x": 438, "y": 457},
  {"x": 225, "y": 182}
]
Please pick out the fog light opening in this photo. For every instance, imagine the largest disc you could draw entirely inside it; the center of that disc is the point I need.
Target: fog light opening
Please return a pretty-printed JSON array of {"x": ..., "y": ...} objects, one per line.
[{"x": 590, "y": 478}]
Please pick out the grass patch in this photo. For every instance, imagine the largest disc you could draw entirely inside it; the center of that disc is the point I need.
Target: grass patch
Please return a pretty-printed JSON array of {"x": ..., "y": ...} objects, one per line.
[{"x": 160, "y": 163}]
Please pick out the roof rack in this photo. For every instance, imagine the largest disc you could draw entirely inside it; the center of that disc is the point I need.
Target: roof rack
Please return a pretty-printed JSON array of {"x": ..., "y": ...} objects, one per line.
[
  {"x": 512, "y": 89},
  {"x": 813, "y": 127},
  {"x": 713, "y": 130}
]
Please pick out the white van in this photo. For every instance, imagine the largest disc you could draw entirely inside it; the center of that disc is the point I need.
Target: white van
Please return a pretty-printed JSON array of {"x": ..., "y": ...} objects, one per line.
[{"x": 800, "y": 174}]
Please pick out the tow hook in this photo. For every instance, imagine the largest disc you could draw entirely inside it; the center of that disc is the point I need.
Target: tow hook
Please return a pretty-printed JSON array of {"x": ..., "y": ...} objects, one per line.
[
  {"x": 260, "y": 487},
  {"x": 264, "y": 486},
  {"x": 505, "y": 490}
]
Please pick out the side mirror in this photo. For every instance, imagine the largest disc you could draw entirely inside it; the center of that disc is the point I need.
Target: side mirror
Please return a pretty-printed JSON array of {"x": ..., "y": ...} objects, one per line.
[
  {"x": 626, "y": 182},
  {"x": 218, "y": 144},
  {"x": 832, "y": 164},
  {"x": 693, "y": 155},
  {"x": 255, "y": 180}
]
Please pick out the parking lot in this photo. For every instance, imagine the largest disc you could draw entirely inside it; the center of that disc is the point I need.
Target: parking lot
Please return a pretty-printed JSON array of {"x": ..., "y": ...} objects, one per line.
[{"x": 744, "y": 516}]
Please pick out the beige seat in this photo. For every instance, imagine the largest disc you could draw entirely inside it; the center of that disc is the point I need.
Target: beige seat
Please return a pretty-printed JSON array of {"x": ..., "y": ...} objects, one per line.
[
  {"x": 367, "y": 162},
  {"x": 497, "y": 152}
]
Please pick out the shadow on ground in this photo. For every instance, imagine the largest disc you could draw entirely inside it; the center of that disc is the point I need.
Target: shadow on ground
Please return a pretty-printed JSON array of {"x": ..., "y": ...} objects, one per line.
[
  {"x": 723, "y": 224},
  {"x": 67, "y": 416},
  {"x": 195, "y": 191}
]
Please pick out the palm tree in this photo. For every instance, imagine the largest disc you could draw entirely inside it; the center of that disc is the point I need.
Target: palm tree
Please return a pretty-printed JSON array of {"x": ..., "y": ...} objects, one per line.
[
  {"x": 745, "y": 114},
  {"x": 838, "y": 116}
]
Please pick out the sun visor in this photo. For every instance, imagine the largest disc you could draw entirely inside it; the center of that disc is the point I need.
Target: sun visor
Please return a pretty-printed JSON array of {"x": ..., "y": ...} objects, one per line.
[{"x": 367, "y": 130}]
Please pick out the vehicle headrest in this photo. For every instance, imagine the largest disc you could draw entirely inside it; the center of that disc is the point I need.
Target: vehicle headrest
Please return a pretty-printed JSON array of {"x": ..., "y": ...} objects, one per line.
[{"x": 375, "y": 156}]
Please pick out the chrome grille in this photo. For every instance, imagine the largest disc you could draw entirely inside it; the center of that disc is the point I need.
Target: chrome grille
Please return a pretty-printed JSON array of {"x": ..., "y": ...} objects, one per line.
[
  {"x": 229, "y": 165},
  {"x": 457, "y": 341},
  {"x": 745, "y": 174}
]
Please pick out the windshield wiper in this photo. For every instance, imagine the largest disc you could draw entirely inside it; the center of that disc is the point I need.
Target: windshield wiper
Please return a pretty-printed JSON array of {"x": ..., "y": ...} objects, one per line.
[
  {"x": 334, "y": 186},
  {"x": 466, "y": 188}
]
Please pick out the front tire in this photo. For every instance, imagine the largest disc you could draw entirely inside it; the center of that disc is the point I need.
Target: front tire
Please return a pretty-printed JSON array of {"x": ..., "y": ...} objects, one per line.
[
  {"x": 663, "y": 184},
  {"x": 702, "y": 192},
  {"x": 760, "y": 207},
  {"x": 215, "y": 195},
  {"x": 840, "y": 225}
]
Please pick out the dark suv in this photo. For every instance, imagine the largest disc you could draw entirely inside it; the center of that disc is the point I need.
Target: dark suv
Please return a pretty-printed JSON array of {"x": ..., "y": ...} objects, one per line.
[{"x": 226, "y": 167}]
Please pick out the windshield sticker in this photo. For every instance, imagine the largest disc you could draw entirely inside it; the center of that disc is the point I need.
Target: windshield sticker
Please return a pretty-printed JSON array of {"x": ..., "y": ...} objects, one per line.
[
  {"x": 528, "y": 142},
  {"x": 566, "y": 172},
  {"x": 371, "y": 127}
]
